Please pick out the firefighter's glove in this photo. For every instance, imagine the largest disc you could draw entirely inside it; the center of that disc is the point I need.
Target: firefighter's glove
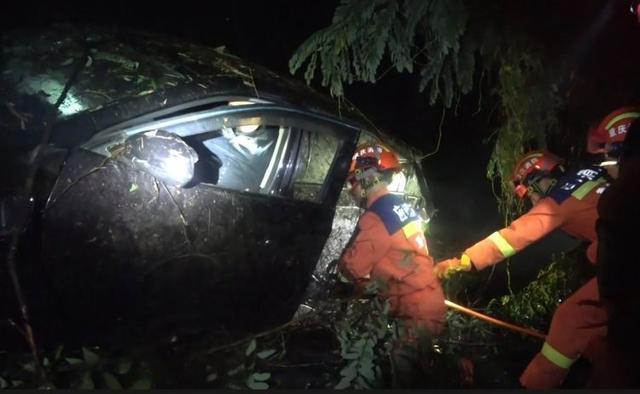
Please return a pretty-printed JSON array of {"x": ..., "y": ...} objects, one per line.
[{"x": 446, "y": 268}]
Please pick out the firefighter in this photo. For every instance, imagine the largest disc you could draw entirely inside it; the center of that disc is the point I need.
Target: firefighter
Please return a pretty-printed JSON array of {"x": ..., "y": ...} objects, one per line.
[
  {"x": 618, "y": 272},
  {"x": 389, "y": 247},
  {"x": 608, "y": 136},
  {"x": 565, "y": 200}
]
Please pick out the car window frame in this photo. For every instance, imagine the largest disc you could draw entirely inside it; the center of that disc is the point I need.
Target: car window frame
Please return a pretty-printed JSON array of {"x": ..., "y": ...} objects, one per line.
[{"x": 297, "y": 120}]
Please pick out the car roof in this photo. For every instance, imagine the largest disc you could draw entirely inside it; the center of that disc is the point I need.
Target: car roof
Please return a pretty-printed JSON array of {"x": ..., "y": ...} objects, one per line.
[{"x": 126, "y": 73}]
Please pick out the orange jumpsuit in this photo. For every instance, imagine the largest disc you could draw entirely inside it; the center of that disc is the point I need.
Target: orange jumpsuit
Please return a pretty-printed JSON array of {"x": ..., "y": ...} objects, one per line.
[
  {"x": 390, "y": 248},
  {"x": 618, "y": 277},
  {"x": 571, "y": 206}
]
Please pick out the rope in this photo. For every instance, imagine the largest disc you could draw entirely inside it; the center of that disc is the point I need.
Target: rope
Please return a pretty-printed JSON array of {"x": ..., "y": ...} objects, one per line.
[{"x": 494, "y": 321}]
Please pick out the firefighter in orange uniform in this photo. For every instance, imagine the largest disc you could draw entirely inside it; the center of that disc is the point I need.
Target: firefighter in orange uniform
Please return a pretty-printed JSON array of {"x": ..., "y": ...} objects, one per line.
[
  {"x": 389, "y": 247},
  {"x": 618, "y": 139},
  {"x": 565, "y": 200}
]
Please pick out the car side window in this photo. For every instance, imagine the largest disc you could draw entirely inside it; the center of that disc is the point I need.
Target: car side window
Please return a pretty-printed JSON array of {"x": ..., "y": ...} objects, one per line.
[
  {"x": 248, "y": 156},
  {"x": 273, "y": 159},
  {"x": 316, "y": 156},
  {"x": 279, "y": 152},
  {"x": 286, "y": 158},
  {"x": 244, "y": 156}
]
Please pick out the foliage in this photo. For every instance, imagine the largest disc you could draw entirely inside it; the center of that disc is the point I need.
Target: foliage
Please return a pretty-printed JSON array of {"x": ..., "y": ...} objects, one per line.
[
  {"x": 363, "y": 31},
  {"x": 454, "y": 43},
  {"x": 246, "y": 374},
  {"x": 528, "y": 112},
  {"x": 365, "y": 332},
  {"x": 79, "y": 369},
  {"x": 536, "y": 303},
  {"x": 357, "y": 351}
]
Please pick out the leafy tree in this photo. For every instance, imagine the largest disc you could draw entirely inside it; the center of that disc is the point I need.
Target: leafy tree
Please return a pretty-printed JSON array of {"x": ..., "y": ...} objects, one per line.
[{"x": 453, "y": 45}]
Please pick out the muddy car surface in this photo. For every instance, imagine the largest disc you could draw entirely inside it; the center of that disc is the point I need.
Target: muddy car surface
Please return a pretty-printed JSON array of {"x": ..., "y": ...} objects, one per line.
[{"x": 179, "y": 183}]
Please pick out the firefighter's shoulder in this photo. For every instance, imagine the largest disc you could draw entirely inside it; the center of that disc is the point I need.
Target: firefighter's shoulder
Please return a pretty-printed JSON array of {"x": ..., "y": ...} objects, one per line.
[
  {"x": 578, "y": 183},
  {"x": 393, "y": 211}
]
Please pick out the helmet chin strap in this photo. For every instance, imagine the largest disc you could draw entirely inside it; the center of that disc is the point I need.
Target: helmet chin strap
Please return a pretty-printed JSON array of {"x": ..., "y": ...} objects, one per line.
[{"x": 368, "y": 178}]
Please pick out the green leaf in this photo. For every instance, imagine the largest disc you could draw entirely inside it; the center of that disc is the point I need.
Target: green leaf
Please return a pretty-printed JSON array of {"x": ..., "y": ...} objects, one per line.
[
  {"x": 58, "y": 353},
  {"x": 124, "y": 366},
  {"x": 236, "y": 370},
  {"x": 142, "y": 384},
  {"x": 344, "y": 383},
  {"x": 251, "y": 348},
  {"x": 212, "y": 376},
  {"x": 366, "y": 370},
  {"x": 16, "y": 383},
  {"x": 87, "y": 382},
  {"x": 359, "y": 344},
  {"x": 361, "y": 383},
  {"x": 266, "y": 353},
  {"x": 256, "y": 381},
  {"x": 111, "y": 381},
  {"x": 350, "y": 356},
  {"x": 90, "y": 357},
  {"x": 253, "y": 385},
  {"x": 73, "y": 360},
  {"x": 350, "y": 370},
  {"x": 261, "y": 377},
  {"x": 3, "y": 383}
]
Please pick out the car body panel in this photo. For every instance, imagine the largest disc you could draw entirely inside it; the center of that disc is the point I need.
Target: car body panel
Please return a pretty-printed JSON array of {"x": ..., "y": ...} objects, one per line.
[{"x": 116, "y": 244}]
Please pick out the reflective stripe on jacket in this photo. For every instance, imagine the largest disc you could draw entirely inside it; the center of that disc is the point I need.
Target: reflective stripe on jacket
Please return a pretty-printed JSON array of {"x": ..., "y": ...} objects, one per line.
[{"x": 571, "y": 206}]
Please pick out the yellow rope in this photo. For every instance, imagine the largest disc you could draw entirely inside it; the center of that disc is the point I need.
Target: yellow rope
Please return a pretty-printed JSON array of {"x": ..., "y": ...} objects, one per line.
[{"x": 494, "y": 321}]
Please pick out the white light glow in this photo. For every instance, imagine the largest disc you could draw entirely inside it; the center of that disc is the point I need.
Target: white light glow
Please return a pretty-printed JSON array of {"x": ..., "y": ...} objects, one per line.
[
  {"x": 53, "y": 88},
  {"x": 247, "y": 129},
  {"x": 239, "y": 102},
  {"x": 398, "y": 182},
  {"x": 177, "y": 167}
]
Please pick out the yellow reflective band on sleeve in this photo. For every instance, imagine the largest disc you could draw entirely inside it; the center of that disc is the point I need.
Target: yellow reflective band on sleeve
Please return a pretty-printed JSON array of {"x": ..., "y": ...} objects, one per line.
[
  {"x": 412, "y": 228},
  {"x": 620, "y": 117},
  {"x": 583, "y": 190},
  {"x": 556, "y": 357},
  {"x": 465, "y": 261},
  {"x": 505, "y": 248}
]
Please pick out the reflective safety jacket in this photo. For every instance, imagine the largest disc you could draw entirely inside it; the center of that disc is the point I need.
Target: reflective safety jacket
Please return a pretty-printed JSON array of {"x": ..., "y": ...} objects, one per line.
[
  {"x": 619, "y": 215},
  {"x": 390, "y": 247},
  {"x": 571, "y": 205}
]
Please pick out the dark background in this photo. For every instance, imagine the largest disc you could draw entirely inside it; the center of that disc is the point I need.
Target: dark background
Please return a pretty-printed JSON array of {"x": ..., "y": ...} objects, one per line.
[{"x": 595, "y": 40}]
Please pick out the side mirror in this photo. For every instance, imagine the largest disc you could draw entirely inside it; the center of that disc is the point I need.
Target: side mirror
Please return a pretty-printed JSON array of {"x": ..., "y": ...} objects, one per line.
[{"x": 164, "y": 155}]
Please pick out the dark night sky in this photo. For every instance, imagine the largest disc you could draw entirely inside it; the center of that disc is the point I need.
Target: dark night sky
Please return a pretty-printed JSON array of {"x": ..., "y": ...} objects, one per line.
[{"x": 267, "y": 32}]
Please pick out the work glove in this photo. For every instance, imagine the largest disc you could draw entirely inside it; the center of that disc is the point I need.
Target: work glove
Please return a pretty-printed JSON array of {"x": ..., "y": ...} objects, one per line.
[{"x": 446, "y": 268}]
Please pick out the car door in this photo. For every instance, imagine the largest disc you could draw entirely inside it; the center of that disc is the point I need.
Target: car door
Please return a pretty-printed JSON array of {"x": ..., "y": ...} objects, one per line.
[{"x": 237, "y": 247}]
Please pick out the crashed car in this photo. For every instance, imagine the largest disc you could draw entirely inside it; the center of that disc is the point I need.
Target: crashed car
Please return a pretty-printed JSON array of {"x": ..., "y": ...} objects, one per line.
[{"x": 178, "y": 183}]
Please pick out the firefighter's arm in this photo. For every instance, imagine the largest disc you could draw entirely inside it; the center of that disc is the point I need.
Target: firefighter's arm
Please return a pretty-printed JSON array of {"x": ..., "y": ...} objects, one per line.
[
  {"x": 543, "y": 218},
  {"x": 369, "y": 246}
]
